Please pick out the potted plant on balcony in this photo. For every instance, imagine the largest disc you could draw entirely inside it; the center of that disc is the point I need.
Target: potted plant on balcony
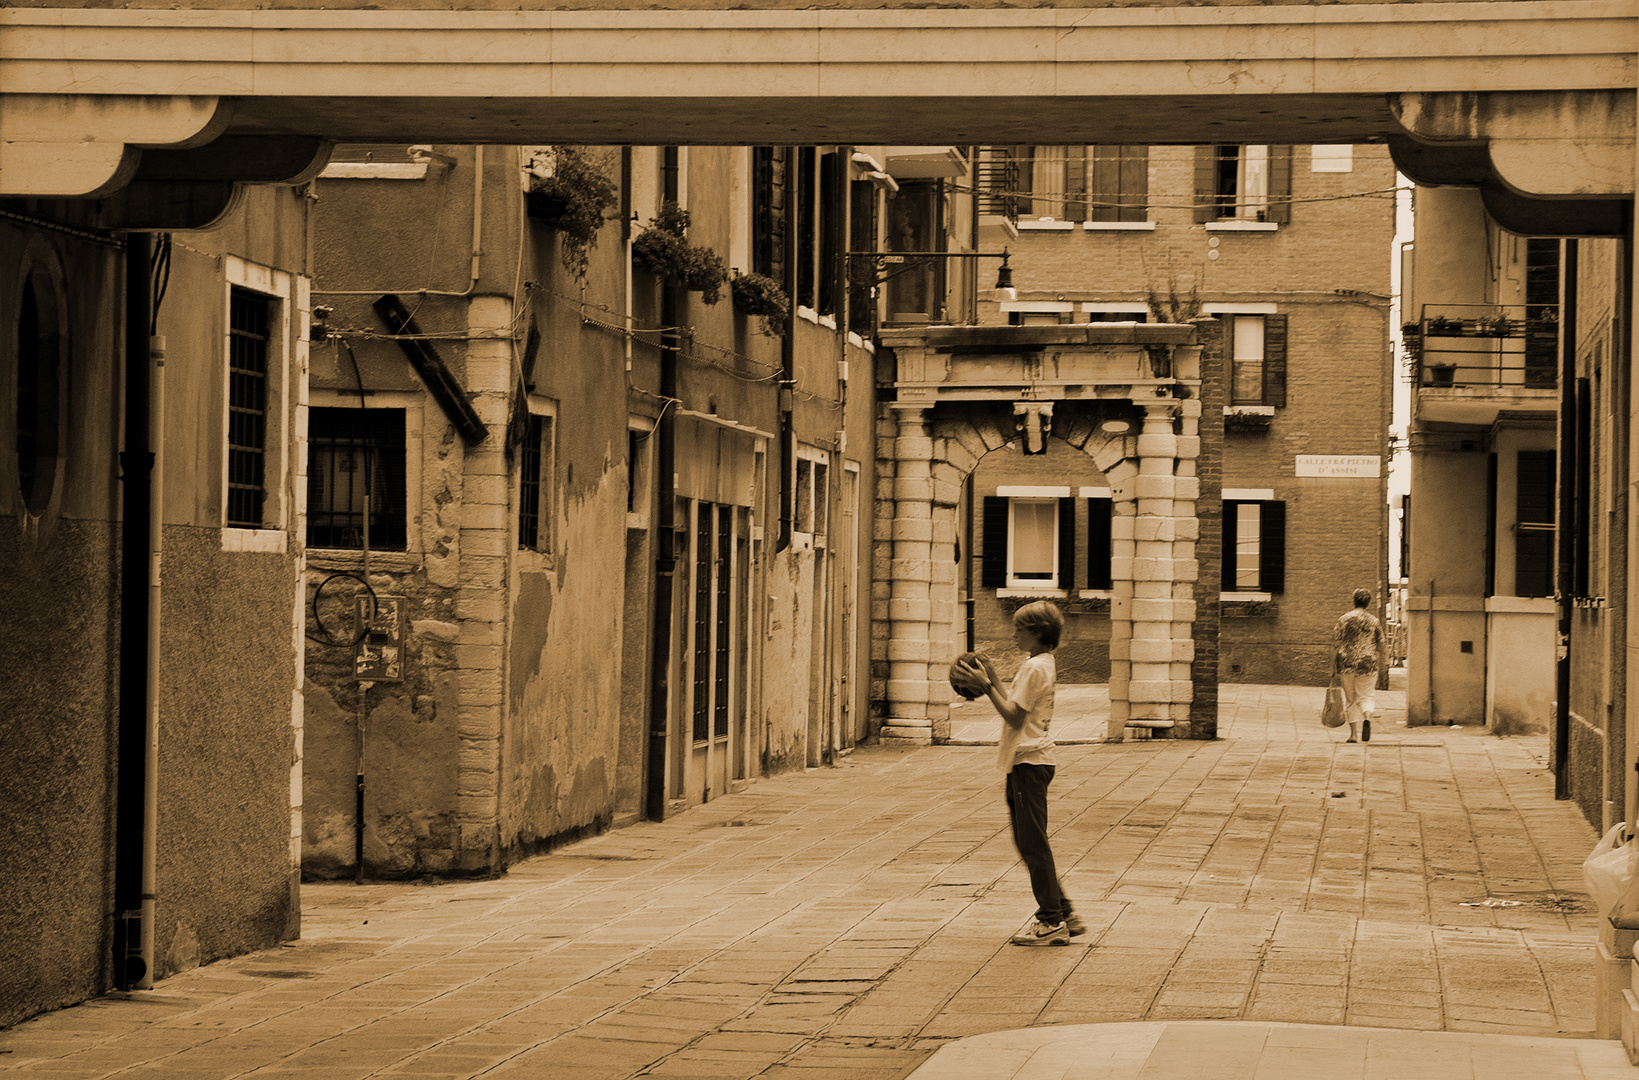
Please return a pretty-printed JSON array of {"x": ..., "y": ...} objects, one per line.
[
  {"x": 663, "y": 249},
  {"x": 761, "y": 295},
  {"x": 569, "y": 190}
]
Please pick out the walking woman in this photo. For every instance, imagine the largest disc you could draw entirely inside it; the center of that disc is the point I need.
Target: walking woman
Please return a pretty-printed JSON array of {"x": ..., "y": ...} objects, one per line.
[{"x": 1359, "y": 640}]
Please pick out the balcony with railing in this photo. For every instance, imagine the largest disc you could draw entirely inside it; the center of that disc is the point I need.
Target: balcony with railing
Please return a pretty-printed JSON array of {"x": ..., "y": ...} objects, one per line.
[
  {"x": 997, "y": 179},
  {"x": 1471, "y": 361}
]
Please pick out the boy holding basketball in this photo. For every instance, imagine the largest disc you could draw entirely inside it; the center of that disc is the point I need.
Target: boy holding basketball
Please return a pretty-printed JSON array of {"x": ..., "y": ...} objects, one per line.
[{"x": 1025, "y": 754}]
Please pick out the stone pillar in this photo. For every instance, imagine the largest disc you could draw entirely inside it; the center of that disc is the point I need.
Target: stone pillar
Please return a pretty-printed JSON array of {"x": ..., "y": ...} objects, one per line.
[
  {"x": 481, "y": 602},
  {"x": 1152, "y": 536},
  {"x": 910, "y": 572}
]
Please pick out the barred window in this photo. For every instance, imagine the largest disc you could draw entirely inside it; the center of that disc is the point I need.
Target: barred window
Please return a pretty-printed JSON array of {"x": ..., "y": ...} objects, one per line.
[
  {"x": 250, "y": 317},
  {"x": 356, "y": 466}
]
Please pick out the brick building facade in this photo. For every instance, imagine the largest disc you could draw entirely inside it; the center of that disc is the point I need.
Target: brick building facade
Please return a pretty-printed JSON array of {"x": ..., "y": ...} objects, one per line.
[{"x": 1288, "y": 248}]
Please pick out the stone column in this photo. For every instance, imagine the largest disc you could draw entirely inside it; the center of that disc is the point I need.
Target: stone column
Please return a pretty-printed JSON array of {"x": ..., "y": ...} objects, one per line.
[
  {"x": 1152, "y": 535},
  {"x": 910, "y": 571}
]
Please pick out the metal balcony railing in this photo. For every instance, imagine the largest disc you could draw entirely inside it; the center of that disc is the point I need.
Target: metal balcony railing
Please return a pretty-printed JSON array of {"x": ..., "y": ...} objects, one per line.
[
  {"x": 997, "y": 176},
  {"x": 1486, "y": 345}
]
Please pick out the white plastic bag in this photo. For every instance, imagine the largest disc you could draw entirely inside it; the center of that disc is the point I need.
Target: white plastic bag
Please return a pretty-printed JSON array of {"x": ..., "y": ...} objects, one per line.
[{"x": 1611, "y": 872}]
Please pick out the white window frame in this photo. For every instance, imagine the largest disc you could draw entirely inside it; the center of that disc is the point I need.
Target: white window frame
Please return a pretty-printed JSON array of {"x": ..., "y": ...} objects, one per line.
[
  {"x": 1014, "y": 581},
  {"x": 286, "y": 356},
  {"x": 803, "y": 529}
]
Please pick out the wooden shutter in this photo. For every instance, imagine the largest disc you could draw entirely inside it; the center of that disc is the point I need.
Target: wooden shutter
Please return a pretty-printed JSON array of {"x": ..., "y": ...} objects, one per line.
[
  {"x": 1274, "y": 360},
  {"x": 768, "y": 212},
  {"x": 1534, "y": 506},
  {"x": 1134, "y": 168},
  {"x": 1099, "y": 512},
  {"x": 1104, "y": 173},
  {"x": 1075, "y": 184},
  {"x": 1272, "y": 547},
  {"x": 1231, "y": 538},
  {"x": 1067, "y": 544},
  {"x": 1206, "y": 184},
  {"x": 832, "y": 213},
  {"x": 993, "y": 558},
  {"x": 807, "y": 200},
  {"x": 1280, "y": 184}
]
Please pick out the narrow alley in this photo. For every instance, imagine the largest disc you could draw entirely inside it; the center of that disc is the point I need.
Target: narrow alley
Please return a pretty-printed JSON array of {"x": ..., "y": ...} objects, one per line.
[{"x": 850, "y": 922}]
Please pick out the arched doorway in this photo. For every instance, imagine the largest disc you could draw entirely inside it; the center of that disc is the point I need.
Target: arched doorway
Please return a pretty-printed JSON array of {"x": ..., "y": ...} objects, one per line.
[{"x": 1146, "y": 445}]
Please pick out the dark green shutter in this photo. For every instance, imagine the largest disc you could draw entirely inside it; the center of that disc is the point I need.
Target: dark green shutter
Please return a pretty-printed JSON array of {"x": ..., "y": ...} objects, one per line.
[
  {"x": 832, "y": 214},
  {"x": 1206, "y": 184},
  {"x": 1099, "y": 512},
  {"x": 1272, "y": 547},
  {"x": 993, "y": 560},
  {"x": 1280, "y": 184},
  {"x": 1067, "y": 544},
  {"x": 1274, "y": 360},
  {"x": 1534, "y": 505},
  {"x": 1105, "y": 188},
  {"x": 1230, "y": 539}
]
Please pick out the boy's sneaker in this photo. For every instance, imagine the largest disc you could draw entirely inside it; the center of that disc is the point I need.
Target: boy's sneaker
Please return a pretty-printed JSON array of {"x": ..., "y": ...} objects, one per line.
[
  {"x": 1073, "y": 923},
  {"x": 1366, "y": 730},
  {"x": 1041, "y": 933}
]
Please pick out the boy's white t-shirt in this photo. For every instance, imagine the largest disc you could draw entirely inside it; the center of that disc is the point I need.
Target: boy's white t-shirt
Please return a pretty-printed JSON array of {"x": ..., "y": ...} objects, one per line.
[{"x": 1032, "y": 690}]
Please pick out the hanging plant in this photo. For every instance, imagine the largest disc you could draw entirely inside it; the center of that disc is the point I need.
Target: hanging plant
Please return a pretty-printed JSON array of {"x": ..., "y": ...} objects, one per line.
[
  {"x": 574, "y": 198},
  {"x": 761, "y": 295},
  {"x": 663, "y": 249}
]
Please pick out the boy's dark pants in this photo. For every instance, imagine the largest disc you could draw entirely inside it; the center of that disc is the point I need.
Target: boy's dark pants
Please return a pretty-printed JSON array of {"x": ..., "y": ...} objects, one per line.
[{"x": 1027, "y": 807}]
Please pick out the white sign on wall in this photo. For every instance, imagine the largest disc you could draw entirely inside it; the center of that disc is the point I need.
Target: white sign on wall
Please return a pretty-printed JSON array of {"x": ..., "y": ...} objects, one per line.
[{"x": 1340, "y": 465}]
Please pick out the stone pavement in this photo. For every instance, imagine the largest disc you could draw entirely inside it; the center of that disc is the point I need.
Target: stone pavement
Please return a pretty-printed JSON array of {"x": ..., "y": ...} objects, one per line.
[{"x": 851, "y": 922}]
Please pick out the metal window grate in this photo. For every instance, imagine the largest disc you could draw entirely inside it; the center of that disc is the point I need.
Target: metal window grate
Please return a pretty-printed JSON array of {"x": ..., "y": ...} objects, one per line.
[
  {"x": 702, "y": 621},
  {"x": 345, "y": 446},
  {"x": 725, "y": 534},
  {"x": 249, "y": 319},
  {"x": 534, "y": 464}
]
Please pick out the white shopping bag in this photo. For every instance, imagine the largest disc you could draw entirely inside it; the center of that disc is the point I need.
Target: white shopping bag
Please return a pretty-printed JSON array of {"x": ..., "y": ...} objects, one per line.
[{"x": 1612, "y": 875}]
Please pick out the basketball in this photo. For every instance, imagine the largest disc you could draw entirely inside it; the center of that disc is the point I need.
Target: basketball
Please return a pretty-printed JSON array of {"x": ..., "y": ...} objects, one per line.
[{"x": 959, "y": 675}]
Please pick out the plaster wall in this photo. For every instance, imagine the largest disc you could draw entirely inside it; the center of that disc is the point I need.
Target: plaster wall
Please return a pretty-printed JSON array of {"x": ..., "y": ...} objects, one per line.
[
  {"x": 1520, "y": 642},
  {"x": 1449, "y": 563},
  {"x": 229, "y": 725},
  {"x": 58, "y": 688}
]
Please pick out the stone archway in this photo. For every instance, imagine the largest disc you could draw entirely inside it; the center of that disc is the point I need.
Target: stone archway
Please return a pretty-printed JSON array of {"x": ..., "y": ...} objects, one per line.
[{"x": 1147, "y": 450}]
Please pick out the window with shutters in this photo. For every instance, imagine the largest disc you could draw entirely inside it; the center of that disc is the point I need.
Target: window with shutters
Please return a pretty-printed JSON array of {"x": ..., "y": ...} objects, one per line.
[
  {"x": 1029, "y": 543},
  {"x": 768, "y": 206},
  {"x": 1247, "y": 183},
  {"x": 1032, "y": 544},
  {"x": 1256, "y": 345},
  {"x": 1534, "y": 524},
  {"x": 1106, "y": 183},
  {"x": 1254, "y": 546},
  {"x": 810, "y": 494}
]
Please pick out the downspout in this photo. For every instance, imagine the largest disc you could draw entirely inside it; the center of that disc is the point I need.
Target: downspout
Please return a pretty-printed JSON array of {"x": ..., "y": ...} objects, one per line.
[
  {"x": 1569, "y": 466},
  {"x": 788, "y": 355},
  {"x": 136, "y": 792},
  {"x": 665, "y": 561}
]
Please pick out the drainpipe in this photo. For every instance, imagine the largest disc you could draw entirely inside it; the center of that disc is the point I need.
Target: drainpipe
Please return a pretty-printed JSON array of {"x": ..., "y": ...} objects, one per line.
[
  {"x": 1569, "y": 466},
  {"x": 137, "y": 788},
  {"x": 665, "y": 541},
  {"x": 788, "y": 355}
]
